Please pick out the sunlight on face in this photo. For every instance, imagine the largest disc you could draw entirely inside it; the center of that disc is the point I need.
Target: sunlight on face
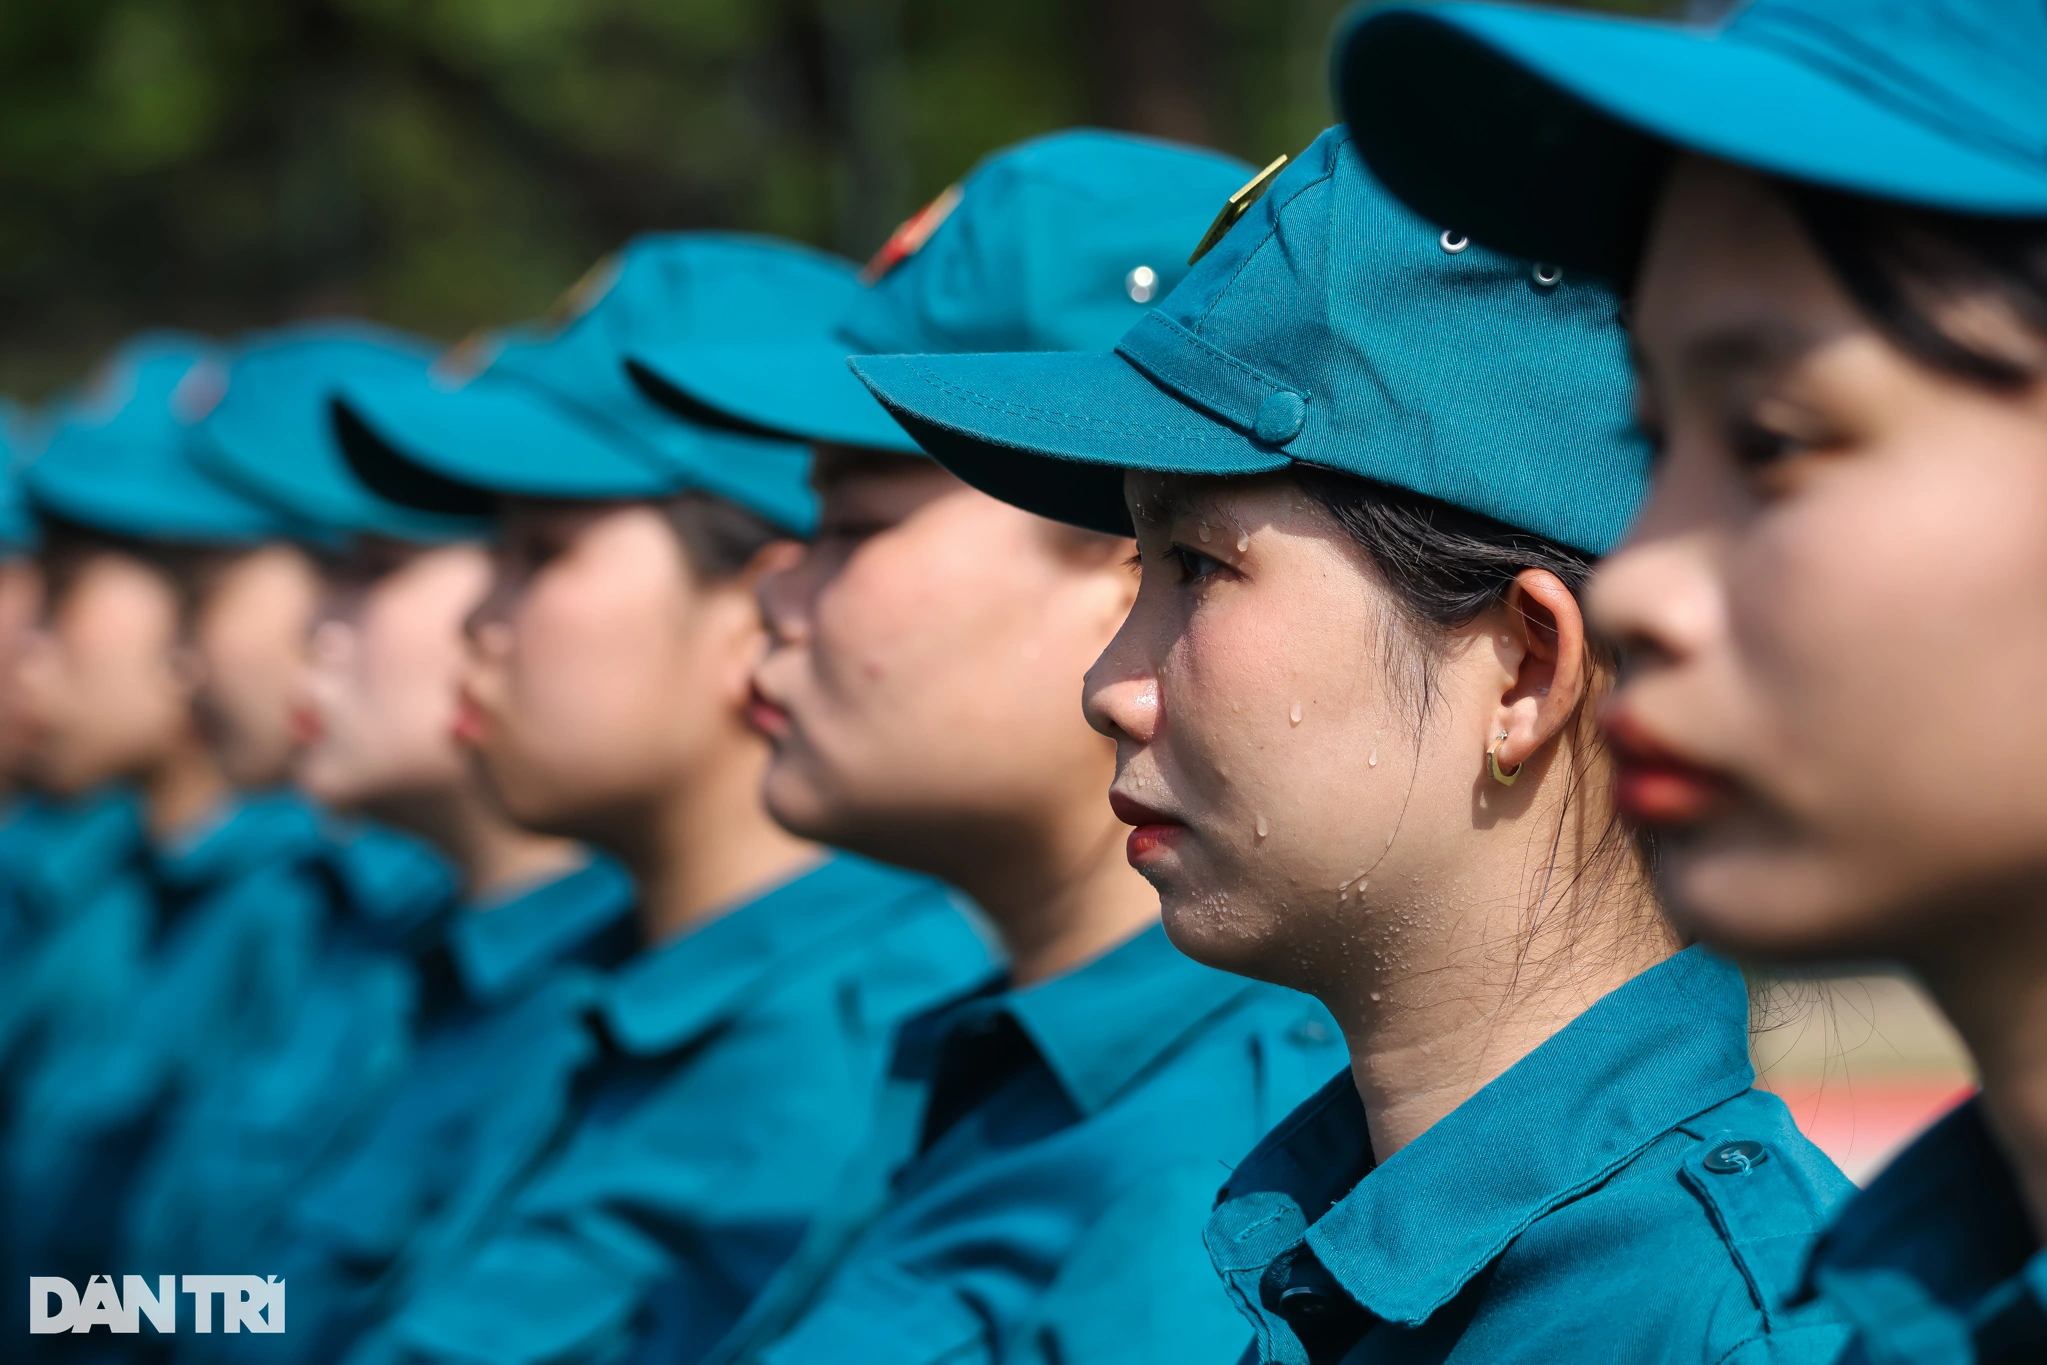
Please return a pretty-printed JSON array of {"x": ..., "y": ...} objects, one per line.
[
  {"x": 249, "y": 636},
  {"x": 1835, "y": 605},
  {"x": 1300, "y": 821},
  {"x": 387, "y": 655},
  {"x": 926, "y": 653},
  {"x": 602, "y": 666}
]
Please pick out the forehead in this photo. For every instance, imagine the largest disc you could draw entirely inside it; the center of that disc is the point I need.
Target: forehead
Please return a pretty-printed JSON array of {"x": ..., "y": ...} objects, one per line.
[
  {"x": 1166, "y": 499},
  {"x": 1730, "y": 278}
]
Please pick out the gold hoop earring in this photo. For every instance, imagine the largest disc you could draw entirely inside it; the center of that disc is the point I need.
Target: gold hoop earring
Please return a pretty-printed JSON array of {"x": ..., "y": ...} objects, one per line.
[{"x": 1492, "y": 763}]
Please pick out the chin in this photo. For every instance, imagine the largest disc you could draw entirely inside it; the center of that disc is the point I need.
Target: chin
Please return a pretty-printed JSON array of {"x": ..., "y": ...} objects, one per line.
[
  {"x": 1771, "y": 904},
  {"x": 1209, "y": 929}
]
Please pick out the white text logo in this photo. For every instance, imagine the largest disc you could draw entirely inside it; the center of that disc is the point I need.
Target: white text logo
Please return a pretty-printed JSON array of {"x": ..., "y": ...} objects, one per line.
[{"x": 246, "y": 1301}]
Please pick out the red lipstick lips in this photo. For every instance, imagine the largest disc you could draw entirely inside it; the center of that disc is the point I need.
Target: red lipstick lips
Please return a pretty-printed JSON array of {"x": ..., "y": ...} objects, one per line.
[
  {"x": 1155, "y": 831},
  {"x": 1652, "y": 785}
]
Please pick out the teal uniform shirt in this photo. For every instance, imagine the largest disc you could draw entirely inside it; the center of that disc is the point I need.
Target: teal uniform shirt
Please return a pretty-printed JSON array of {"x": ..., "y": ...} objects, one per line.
[
  {"x": 501, "y": 1038},
  {"x": 1937, "y": 1262},
  {"x": 1619, "y": 1194},
  {"x": 1037, "y": 1182},
  {"x": 258, "y": 1120},
  {"x": 730, "y": 1074},
  {"x": 234, "y": 906},
  {"x": 80, "y": 893}
]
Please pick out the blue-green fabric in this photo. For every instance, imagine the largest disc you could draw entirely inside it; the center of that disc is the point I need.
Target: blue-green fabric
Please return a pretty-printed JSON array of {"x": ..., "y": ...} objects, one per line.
[
  {"x": 271, "y": 434},
  {"x": 1936, "y": 1263},
  {"x": 1039, "y": 1171},
  {"x": 1575, "y": 1208},
  {"x": 20, "y": 437},
  {"x": 547, "y": 411},
  {"x": 221, "y": 960},
  {"x": 502, "y": 1033},
  {"x": 119, "y": 457},
  {"x": 262, "y": 1117},
  {"x": 727, "y": 1078},
  {"x": 1044, "y": 252},
  {"x": 1330, "y": 328},
  {"x": 1546, "y": 133}
]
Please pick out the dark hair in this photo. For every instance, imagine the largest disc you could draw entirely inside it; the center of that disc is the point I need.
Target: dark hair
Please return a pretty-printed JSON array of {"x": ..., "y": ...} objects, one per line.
[
  {"x": 1445, "y": 567},
  {"x": 720, "y": 538},
  {"x": 1903, "y": 265}
]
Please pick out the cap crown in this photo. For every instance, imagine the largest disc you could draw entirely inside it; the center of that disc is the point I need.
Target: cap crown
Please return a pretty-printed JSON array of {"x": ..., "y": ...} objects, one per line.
[
  {"x": 119, "y": 455},
  {"x": 1040, "y": 252},
  {"x": 1338, "y": 328}
]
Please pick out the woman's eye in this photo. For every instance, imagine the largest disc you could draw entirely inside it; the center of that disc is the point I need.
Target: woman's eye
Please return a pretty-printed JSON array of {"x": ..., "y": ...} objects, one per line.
[
  {"x": 1193, "y": 564},
  {"x": 1760, "y": 447}
]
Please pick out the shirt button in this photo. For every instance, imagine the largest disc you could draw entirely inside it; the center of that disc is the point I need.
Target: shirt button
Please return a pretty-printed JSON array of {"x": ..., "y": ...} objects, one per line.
[
  {"x": 1736, "y": 1158},
  {"x": 1304, "y": 1301}
]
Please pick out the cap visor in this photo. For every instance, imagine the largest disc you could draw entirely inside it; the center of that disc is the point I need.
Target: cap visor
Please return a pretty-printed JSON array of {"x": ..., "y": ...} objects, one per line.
[
  {"x": 795, "y": 390},
  {"x": 1052, "y": 432},
  {"x": 154, "y": 502},
  {"x": 488, "y": 439},
  {"x": 1543, "y": 134},
  {"x": 318, "y": 486}
]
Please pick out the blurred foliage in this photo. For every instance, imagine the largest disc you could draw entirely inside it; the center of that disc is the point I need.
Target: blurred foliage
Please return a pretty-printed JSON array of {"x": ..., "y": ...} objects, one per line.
[{"x": 442, "y": 164}]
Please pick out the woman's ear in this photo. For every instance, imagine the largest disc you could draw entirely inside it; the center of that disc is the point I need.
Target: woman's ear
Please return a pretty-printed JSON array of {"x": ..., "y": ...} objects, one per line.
[{"x": 1544, "y": 632}]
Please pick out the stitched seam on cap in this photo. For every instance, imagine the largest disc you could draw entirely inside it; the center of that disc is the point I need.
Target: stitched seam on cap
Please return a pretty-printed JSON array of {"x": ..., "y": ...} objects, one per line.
[
  {"x": 1214, "y": 352},
  {"x": 1271, "y": 232}
]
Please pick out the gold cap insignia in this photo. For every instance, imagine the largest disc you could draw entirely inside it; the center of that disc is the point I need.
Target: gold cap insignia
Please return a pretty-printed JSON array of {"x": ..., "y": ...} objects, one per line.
[{"x": 1236, "y": 206}]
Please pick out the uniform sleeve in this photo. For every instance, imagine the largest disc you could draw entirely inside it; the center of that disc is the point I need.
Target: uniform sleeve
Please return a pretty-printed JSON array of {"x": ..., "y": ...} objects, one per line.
[{"x": 1139, "y": 1287}]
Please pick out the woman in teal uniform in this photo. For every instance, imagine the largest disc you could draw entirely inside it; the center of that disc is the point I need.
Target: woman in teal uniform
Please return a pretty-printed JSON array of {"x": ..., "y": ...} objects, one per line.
[
  {"x": 706, "y": 1103},
  {"x": 1048, "y": 1148},
  {"x": 1369, "y": 465},
  {"x": 1834, "y": 219}
]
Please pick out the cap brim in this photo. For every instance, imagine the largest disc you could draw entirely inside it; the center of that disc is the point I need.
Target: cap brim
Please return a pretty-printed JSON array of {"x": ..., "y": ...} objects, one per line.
[
  {"x": 317, "y": 486},
  {"x": 795, "y": 390},
  {"x": 1544, "y": 134},
  {"x": 98, "y": 489},
  {"x": 453, "y": 452},
  {"x": 1016, "y": 427}
]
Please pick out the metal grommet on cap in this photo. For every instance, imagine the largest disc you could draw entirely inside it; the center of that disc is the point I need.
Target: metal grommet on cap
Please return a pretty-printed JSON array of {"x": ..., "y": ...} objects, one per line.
[
  {"x": 1736, "y": 1158},
  {"x": 1453, "y": 242},
  {"x": 1141, "y": 284},
  {"x": 1280, "y": 418},
  {"x": 1548, "y": 276}
]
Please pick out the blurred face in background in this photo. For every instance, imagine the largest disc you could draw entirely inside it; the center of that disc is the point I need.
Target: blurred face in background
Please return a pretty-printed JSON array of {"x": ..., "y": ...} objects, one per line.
[
  {"x": 104, "y": 684},
  {"x": 605, "y": 669},
  {"x": 21, "y": 603},
  {"x": 249, "y": 626},
  {"x": 376, "y": 716},
  {"x": 922, "y": 689},
  {"x": 1834, "y": 607}
]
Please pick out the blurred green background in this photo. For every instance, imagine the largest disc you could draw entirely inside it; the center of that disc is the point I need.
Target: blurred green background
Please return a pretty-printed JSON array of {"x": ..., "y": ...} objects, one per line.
[{"x": 445, "y": 164}]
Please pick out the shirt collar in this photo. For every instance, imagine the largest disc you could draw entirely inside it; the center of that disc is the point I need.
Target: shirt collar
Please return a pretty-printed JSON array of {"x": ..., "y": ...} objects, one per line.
[
  {"x": 683, "y": 989},
  {"x": 501, "y": 944},
  {"x": 88, "y": 844},
  {"x": 1102, "y": 1027},
  {"x": 250, "y": 831},
  {"x": 1946, "y": 1213},
  {"x": 1669, "y": 1044}
]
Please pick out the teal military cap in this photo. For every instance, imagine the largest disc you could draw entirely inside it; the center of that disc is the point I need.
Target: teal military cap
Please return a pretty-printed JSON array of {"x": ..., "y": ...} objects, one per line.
[
  {"x": 1056, "y": 244},
  {"x": 1545, "y": 133},
  {"x": 119, "y": 458},
  {"x": 1333, "y": 328},
  {"x": 271, "y": 434},
  {"x": 19, "y": 435},
  {"x": 548, "y": 411}
]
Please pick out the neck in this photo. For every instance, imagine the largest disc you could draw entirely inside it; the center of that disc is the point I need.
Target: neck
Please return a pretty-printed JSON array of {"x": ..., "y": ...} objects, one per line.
[
  {"x": 707, "y": 845},
  {"x": 491, "y": 853},
  {"x": 1059, "y": 895},
  {"x": 1441, "y": 993},
  {"x": 182, "y": 790},
  {"x": 1989, "y": 984}
]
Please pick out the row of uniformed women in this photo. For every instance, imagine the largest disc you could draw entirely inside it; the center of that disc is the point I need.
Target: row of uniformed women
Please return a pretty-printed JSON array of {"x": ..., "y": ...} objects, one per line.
[{"x": 769, "y": 1108}]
